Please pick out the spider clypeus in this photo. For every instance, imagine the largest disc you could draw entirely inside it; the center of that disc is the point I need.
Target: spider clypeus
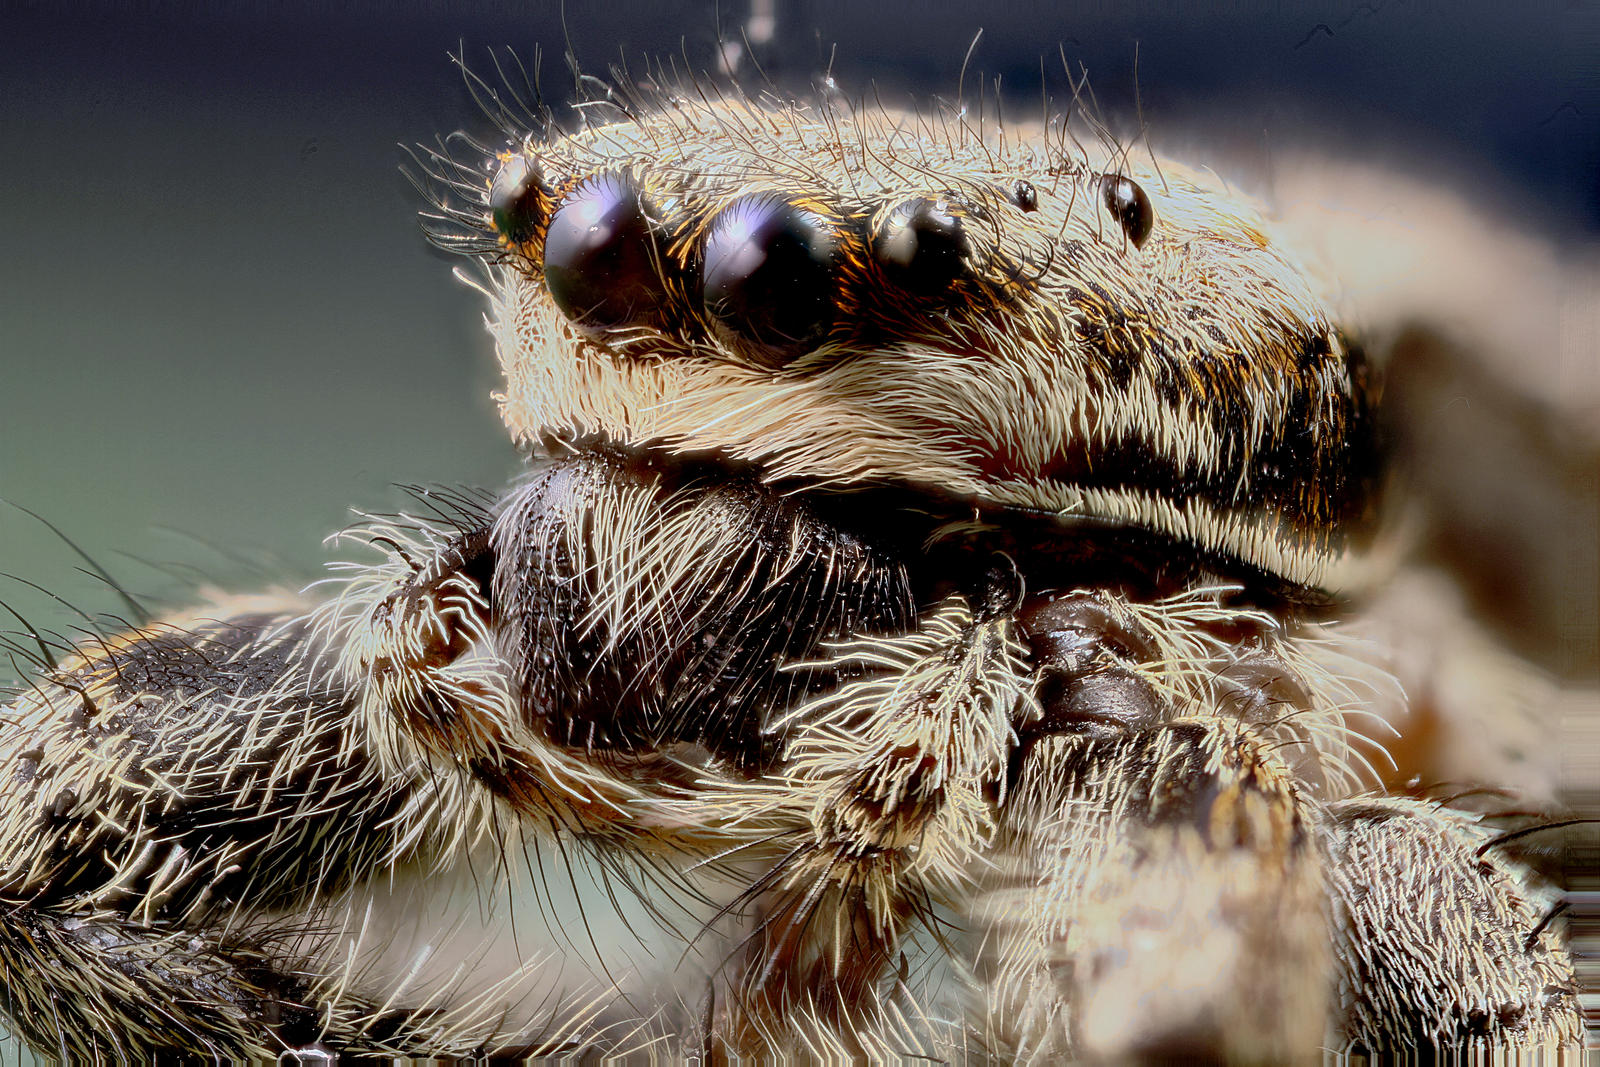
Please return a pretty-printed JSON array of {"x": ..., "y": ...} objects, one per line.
[{"x": 927, "y": 626}]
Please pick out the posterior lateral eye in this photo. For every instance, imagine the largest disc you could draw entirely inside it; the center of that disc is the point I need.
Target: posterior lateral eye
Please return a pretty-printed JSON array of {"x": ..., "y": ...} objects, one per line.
[
  {"x": 770, "y": 273},
  {"x": 1129, "y": 205},
  {"x": 601, "y": 258}
]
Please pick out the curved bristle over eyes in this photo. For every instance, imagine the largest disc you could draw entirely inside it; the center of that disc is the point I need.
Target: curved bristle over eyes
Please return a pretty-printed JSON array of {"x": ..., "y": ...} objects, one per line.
[{"x": 457, "y": 193}]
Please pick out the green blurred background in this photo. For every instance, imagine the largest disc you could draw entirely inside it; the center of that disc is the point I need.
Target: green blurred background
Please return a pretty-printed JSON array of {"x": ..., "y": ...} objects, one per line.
[{"x": 220, "y": 327}]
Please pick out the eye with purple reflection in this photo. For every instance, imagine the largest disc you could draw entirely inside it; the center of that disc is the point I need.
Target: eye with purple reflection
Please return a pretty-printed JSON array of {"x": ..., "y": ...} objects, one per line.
[
  {"x": 770, "y": 274},
  {"x": 601, "y": 257}
]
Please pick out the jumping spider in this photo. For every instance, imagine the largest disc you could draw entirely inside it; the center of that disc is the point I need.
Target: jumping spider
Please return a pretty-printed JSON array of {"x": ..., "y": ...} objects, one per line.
[{"x": 921, "y": 630}]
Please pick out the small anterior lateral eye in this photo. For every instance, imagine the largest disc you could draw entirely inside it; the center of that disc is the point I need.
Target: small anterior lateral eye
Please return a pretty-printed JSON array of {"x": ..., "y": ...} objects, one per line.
[
  {"x": 922, "y": 245},
  {"x": 770, "y": 273},
  {"x": 1129, "y": 205},
  {"x": 601, "y": 261},
  {"x": 515, "y": 199}
]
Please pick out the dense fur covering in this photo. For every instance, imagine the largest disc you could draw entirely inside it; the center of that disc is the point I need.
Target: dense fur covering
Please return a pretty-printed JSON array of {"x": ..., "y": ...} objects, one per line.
[
  {"x": 1194, "y": 385},
  {"x": 914, "y": 636}
]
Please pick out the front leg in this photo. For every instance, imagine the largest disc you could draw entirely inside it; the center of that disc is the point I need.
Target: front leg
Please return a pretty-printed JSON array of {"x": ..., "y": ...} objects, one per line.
[
  {"x": 1440, "y": 942},
  {"x": 159, "y": 791}
]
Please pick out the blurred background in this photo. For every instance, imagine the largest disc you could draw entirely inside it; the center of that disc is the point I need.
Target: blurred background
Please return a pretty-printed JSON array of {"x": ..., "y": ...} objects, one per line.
[{"x": 220, "y": 327}]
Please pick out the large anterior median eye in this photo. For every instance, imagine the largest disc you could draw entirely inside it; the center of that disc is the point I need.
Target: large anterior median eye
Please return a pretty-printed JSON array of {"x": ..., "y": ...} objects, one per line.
[
  {"x": 601, "y": 262},
  {"x": 770, "y": 273},
  {"x": 922, "y": 245}
]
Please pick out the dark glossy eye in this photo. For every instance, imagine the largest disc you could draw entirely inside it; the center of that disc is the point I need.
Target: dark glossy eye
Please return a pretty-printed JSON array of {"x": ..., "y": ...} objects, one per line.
[
  {"x": 600, "y": 255},
  {"x": 1129, "y": 206},
  {"x": 516, "y": 197},
  {"x": 1025, "y": 196},
  {"x": 923, "y": 245},
  {"x": 769, "y": 273}
]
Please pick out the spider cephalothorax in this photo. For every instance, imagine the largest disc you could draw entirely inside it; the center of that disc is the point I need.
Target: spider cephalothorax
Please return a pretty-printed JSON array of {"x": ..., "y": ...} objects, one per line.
[
  {"x": 884, "y": 302},
  {"x": 921, "y": 599}
]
